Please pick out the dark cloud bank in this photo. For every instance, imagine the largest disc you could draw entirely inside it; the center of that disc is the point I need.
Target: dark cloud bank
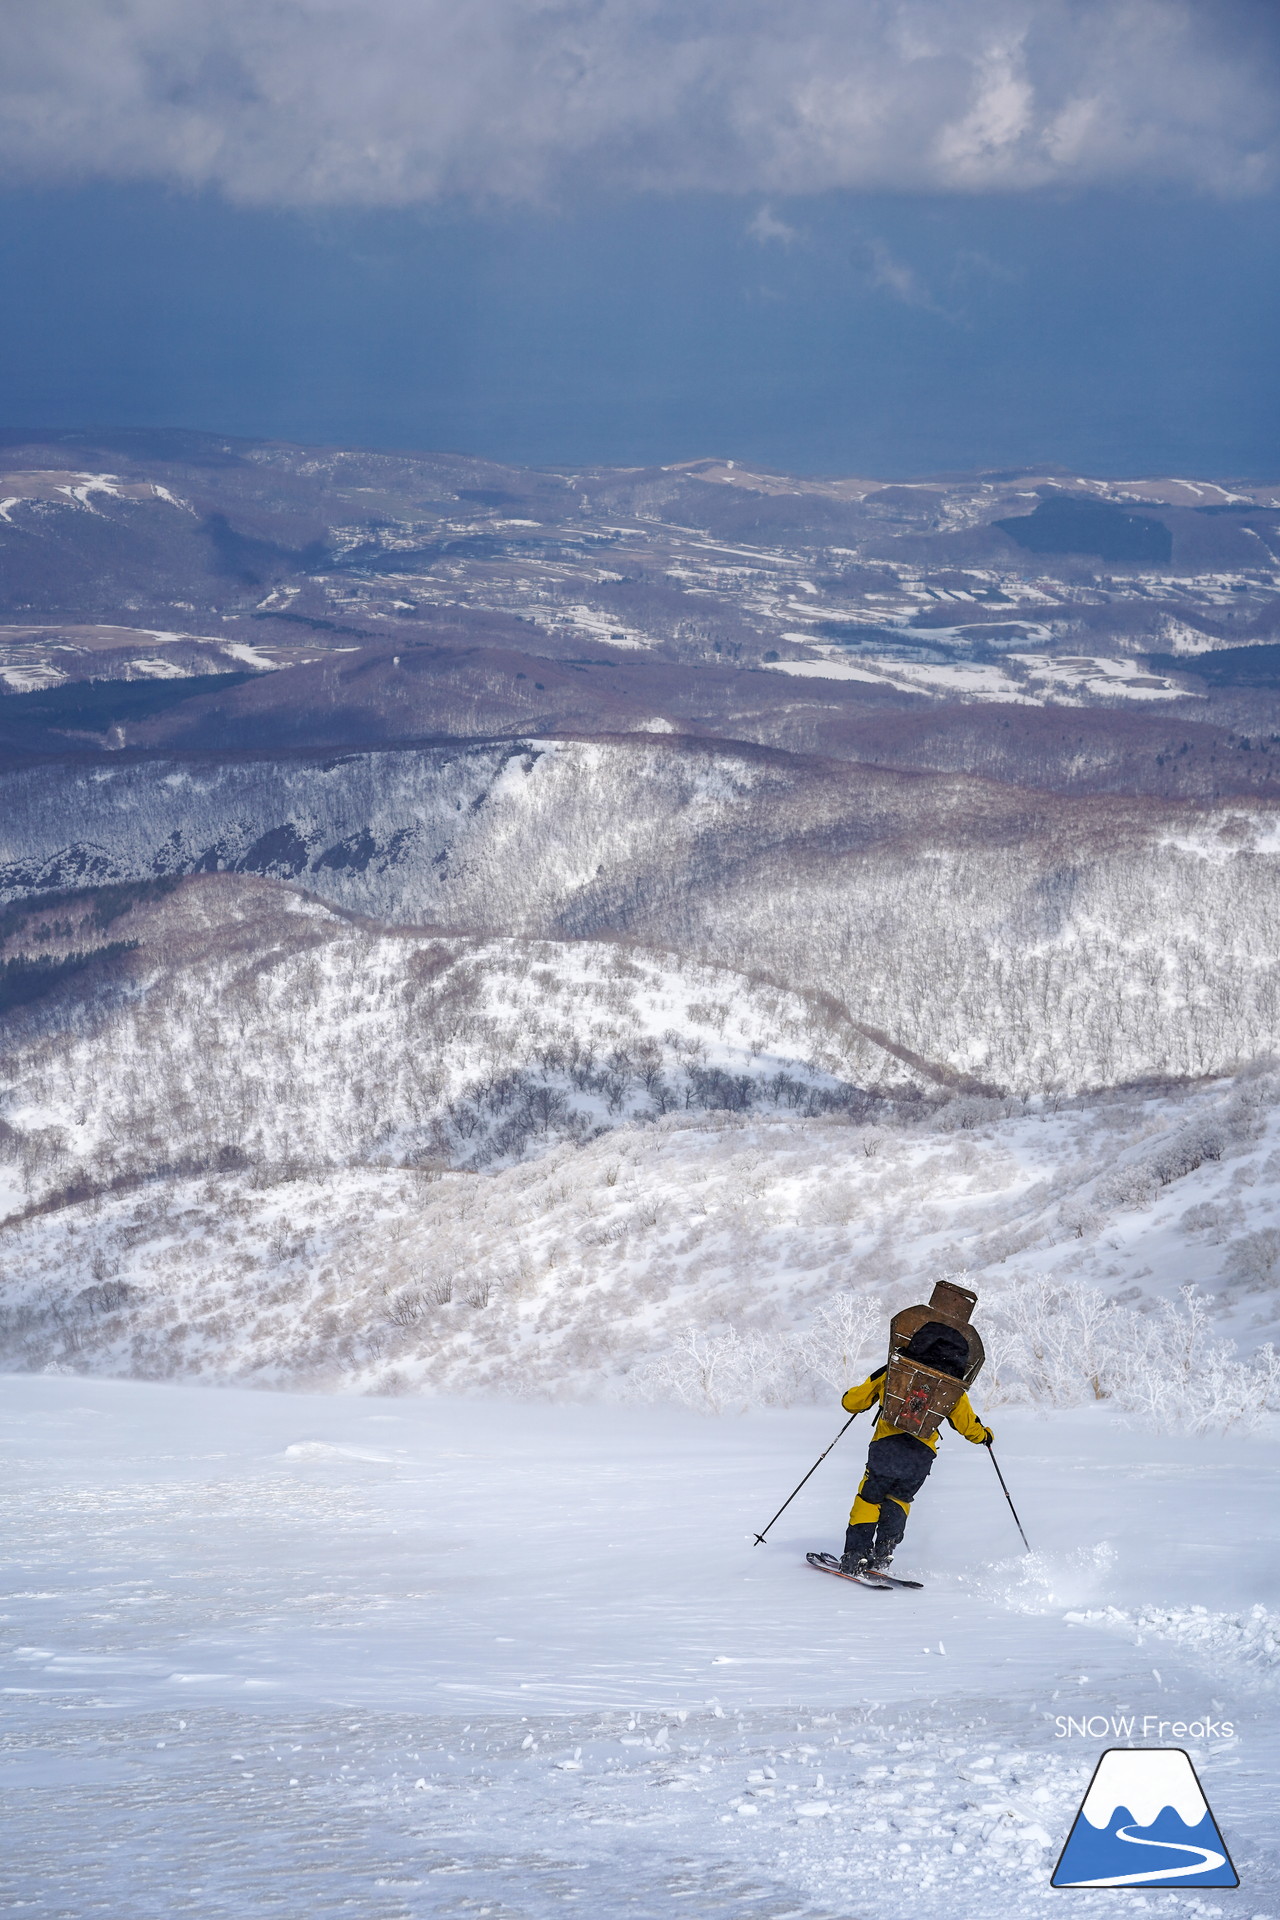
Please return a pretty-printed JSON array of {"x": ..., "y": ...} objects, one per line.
[
  {"x": 824, "y": 234},
  {"x": 386, "y": 102}
]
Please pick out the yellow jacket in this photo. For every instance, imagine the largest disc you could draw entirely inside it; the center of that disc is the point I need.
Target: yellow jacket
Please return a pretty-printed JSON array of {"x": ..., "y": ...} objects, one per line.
[{"x": 871, "y": 1393}]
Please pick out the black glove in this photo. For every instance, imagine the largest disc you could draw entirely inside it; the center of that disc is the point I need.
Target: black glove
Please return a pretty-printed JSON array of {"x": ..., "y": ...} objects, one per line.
[{"x": 988, "y": 1437}]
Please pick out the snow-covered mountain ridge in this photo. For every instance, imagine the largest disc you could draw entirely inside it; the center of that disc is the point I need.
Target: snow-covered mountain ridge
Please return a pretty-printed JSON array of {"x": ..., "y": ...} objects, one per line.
[
  {"x": 246, "y": 1134},
  {"x": 228, "y": 1021},
  {"x": 574, "y": 1269},
  {"x": 1028, "y": 944}
]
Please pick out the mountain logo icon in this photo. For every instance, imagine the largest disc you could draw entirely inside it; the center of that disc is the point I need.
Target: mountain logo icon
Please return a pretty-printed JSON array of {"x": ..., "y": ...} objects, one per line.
[{"x": 1144, "y": 1823}]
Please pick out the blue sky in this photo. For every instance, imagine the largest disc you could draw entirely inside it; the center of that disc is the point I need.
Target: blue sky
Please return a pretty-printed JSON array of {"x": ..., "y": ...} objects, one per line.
[{"x": 889, "y": 238}]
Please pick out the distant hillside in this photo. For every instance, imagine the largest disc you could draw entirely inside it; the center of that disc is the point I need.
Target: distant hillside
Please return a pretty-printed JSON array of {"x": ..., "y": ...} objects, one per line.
[
  {"x": 222, "y": 1023},
  {"x": 468, "y": 925},
  {"x": 1022, "y": 942}
]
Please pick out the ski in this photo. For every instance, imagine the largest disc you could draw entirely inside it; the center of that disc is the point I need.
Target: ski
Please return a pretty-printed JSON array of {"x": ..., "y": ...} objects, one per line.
[{"x": 826, "y": 1563}]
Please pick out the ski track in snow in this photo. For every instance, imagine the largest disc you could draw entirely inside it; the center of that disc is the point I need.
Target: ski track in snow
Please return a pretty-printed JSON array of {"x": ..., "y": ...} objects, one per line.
[
  {"x": 279, "y": 1654},
  {"x": 1249, "y": 1640}
]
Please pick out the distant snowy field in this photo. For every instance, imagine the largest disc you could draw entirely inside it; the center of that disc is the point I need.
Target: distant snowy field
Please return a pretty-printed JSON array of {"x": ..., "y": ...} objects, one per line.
[{"x": 276, "y": 1654}]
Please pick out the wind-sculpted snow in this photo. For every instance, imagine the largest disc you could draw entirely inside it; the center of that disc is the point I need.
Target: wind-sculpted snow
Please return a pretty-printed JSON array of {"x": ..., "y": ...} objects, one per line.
[
  {"x": 411, "y": 1658},
  {"x": 998, "y": 938}
]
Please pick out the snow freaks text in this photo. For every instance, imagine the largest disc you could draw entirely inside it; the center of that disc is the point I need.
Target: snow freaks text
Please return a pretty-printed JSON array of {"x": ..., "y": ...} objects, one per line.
[{"x": 1121, "y": 1726}]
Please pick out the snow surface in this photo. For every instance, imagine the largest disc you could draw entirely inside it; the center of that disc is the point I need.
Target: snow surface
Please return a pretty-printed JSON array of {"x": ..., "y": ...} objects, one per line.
[
  {"x": 271, "y": 1654},
  {"x": 821, "y": 669},
  {"x": 31, "y": 679},
  {"x": 1044, "y": 680}
]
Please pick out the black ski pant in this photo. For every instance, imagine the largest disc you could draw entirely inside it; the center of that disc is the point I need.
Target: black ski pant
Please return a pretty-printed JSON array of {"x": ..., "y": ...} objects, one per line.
[{"x": 897, "y": 1468}]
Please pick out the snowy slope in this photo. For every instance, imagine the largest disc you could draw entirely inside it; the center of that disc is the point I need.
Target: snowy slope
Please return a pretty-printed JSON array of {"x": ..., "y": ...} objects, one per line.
[
  {"x": 579, "y": 1269},
  {"x": 274, "y": 1654}
]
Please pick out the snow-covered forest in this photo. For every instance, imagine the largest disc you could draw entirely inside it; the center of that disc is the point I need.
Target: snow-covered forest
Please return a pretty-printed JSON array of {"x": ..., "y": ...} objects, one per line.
[
  {"x": 1030, "y": 944},
  {"x": 249, "y": 1137}
]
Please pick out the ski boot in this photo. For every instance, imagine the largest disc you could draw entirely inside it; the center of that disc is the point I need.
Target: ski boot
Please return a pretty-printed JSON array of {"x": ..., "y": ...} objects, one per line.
[{"x": 859, "y": 1549}]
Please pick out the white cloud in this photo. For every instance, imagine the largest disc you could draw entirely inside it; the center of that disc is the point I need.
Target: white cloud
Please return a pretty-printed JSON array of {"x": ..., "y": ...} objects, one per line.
[
  {"x": 896, "y": 277},
  {"x": 389, "y": 102},
  {"x": 766, "y": 226}
]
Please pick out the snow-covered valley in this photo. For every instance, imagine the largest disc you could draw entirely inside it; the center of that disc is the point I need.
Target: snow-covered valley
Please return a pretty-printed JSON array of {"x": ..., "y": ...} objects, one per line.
[
  {"x": 236, "y": 1023},
  {"x": 1029, "y": 943},
  {"x": 476, "y": 1080},
  {"x": 276, "y": 1653}
]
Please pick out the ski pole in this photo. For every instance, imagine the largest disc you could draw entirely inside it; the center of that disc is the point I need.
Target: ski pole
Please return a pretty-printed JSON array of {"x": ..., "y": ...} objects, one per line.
[
  {"x": 759, "y": 1539},
  {"x": 1013, "y": 1510}
]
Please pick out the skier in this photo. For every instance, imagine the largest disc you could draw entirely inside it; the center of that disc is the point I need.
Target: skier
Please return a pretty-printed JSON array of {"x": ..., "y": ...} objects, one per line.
[{"x": 898, "y": 1462}]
